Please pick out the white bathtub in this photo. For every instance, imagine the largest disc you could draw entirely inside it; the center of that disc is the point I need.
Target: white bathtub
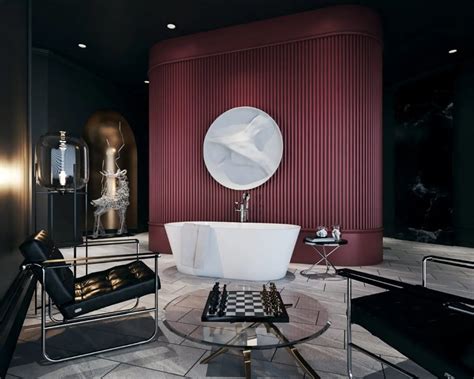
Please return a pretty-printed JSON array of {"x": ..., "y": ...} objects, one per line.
[{"x": 246, "y": 251}]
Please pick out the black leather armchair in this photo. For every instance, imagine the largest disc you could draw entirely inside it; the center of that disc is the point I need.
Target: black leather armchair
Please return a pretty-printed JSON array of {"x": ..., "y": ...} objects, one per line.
[
  {"x": 75, "y": 297},
  {"x": 433, "y": 328}
]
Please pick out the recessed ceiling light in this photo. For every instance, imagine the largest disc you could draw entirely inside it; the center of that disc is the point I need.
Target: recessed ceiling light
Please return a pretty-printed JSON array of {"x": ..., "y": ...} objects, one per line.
[
  {"x": 146, "y": 81},
  {"x": 81, "y": 45},
  {"x": 452, "y": 51},
  {"x": 171, "y": 26}
]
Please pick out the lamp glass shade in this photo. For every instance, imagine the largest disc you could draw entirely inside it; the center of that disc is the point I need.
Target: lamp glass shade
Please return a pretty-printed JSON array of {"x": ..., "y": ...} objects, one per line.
[{"x": 62, "y": 162}]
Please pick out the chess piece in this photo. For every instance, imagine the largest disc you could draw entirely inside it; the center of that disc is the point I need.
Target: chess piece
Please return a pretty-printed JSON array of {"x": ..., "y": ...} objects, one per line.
[
  {"x": 214, "y": 299},
  {"x": 276, "y": 305},
  {"x": 213, "y": 303},
  {"x": 321, "y": 232},
  {"x": 336, "y": 232},
  {"x": 274, "y": 302},
  {"x": 223, "y": 302},
  {"x": 224, "y": 290},
  {"x": 265, "y": 300}
]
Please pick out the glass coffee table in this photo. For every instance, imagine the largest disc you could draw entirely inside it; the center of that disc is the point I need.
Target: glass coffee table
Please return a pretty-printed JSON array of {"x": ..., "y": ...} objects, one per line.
[{"x": 308, "y": 320}]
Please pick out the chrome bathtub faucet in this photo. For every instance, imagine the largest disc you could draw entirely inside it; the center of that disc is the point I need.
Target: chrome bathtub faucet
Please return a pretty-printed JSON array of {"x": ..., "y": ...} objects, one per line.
[{"x": 243, "y": 207}]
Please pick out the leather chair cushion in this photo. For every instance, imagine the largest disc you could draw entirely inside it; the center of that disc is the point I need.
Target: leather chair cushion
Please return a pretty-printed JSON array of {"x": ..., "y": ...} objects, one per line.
[
  {"x": 437, "y": 338},
  {"x": 59, "y": 281},
  {"x": 103, "y": 288}
]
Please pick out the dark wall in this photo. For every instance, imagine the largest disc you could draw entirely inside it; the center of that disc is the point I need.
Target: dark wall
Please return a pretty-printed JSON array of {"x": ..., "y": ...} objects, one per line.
[
  {"x": 389, "y": 190},
  {"x": 14, "y": 140},
  {"x": 65, "y": 95},
  {"x": 428, "y": 156},
  {"x": 463, "y": 164}
]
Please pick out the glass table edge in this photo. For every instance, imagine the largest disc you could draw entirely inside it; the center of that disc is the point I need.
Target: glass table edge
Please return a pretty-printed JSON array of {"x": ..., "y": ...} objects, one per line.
[{"x": 223, "y": 345}]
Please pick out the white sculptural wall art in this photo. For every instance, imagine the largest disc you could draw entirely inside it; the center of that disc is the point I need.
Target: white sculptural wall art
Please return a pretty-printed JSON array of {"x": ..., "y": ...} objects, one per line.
[
  {"x": 115, "y": 192},
  {"x": 243, "y": 148}
]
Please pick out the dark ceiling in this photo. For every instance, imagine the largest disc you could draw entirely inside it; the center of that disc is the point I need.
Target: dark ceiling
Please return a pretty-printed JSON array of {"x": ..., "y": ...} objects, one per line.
[{"x": 118, "y": 33}]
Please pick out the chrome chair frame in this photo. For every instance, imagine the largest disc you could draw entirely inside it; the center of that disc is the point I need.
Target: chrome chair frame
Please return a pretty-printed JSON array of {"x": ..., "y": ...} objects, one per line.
[
  {"x": 80, "y": 320},
  {"x": 391, "y": 284}
]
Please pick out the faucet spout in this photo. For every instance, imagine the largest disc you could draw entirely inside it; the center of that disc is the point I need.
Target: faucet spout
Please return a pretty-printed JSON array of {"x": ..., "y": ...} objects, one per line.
[{"x": 243, "y": 207}]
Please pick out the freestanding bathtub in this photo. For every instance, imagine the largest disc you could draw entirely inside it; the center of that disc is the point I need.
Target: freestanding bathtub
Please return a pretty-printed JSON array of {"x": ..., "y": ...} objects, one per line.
[{"x": 232, "y": 250}]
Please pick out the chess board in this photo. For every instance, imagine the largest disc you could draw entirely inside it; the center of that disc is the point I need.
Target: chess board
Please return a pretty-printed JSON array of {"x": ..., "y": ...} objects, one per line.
[{"x": 244, "y": 306}]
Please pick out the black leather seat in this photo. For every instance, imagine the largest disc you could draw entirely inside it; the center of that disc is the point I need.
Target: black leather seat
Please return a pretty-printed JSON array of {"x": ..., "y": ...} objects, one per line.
[
  {"x": 77, "y": 296},
  {"x": 423, "y": 329},
  {"x": 433, "y": 328}
]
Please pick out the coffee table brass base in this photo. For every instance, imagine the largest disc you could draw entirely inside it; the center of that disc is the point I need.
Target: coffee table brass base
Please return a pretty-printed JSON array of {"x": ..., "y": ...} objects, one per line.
[{"x": 248, "y": 359}]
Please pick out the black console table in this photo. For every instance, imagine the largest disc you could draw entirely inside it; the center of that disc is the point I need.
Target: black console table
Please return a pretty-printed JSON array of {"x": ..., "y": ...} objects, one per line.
[{"x": 324, "y": 247}]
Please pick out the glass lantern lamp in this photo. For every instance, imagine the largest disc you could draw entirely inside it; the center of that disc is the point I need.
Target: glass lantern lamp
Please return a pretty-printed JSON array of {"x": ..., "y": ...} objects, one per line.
[{"x": 62, "y": 162}]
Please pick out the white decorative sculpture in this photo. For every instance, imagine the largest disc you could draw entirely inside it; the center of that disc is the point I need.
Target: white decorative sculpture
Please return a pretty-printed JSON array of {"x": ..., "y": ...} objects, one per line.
[
  {"x": 336, "y": 232},
  {"x": 322, "y": 232},
  {"x": 115, "y": 192},
  {"x": 243, "y": 148}
]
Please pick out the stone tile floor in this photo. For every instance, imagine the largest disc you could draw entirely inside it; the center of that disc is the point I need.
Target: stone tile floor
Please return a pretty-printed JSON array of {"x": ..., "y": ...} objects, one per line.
[{"x": 171, "y": 356}]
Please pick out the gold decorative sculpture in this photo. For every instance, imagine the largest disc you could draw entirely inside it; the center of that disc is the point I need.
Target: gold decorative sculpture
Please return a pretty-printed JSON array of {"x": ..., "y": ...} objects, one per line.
[
  {"x": 105, "y": 140},
  {"x": 115, "y": 191}
]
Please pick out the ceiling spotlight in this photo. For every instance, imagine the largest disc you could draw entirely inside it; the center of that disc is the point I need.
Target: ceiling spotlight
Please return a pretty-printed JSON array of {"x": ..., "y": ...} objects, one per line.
[
  {"x": 452, "y": 51},
  {"x": 146, "y": 81},
  {"x": 81, "y": 45},
  {"x": 171, "y": 26}
]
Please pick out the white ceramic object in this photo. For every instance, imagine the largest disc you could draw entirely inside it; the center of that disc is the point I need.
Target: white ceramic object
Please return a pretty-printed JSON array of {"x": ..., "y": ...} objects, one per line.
[
  {"x": 244, "y": 251},
  {"x": 243, "y": 148}
]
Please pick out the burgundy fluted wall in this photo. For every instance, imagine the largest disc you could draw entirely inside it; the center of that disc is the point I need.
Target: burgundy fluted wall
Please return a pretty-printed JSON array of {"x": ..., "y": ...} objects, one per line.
[{"x": 321, "y": 81}]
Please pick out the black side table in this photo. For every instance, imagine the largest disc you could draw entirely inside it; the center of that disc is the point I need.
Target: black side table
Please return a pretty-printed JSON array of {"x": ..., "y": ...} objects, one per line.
[{"x": 324, "y": 247}]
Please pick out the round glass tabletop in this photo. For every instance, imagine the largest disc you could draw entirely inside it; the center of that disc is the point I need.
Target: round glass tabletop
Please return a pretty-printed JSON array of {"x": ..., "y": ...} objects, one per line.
[{"x": 308, "y": 320}]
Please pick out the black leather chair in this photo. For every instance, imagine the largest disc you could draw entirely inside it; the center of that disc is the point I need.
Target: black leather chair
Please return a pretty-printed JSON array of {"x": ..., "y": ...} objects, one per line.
[
  {"x": 433, "y": 328},
  {"x": 75, "y": 297}
]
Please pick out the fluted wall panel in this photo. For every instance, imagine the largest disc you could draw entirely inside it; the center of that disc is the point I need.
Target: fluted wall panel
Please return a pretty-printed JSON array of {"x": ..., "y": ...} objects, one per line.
[{"x": 324, "y": 92}]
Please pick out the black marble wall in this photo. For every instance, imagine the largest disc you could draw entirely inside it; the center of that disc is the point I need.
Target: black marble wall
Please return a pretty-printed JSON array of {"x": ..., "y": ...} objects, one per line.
[
  {"x": 463, "y": 159},
  {"x": 423, "y": 159}
]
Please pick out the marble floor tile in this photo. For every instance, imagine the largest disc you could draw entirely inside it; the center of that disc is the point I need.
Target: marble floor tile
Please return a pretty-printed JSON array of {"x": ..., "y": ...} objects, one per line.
[
  {"x": 328, "y": 375},
  {"x": 123, "y": 371},
  {"x": 167, "y": 336},
  {"x": 374, "y": 344},
  {"x": 201, "y": 346},
  {"x": 167, "y": 357},
  {"x": 330, "y": 338},
  {"x": 327, "y": 359},
  {"x": 231, "y": 366},
  {"x": 28, "y": 362},
  {"x": 86, "y": 338},
  {"x": 405, "y": 364}
]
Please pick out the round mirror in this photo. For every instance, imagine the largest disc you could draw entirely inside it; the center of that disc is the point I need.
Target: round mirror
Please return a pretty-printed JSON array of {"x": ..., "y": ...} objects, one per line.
[{"x": 243, "y": 148}]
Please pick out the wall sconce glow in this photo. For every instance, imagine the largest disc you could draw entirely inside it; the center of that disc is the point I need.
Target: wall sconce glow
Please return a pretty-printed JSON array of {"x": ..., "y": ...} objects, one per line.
[
  {"x": 171, "y": 26},
  {"x": 10, "y": 176},
  {"x": 452, "y": 51},
  {"x": 82, "y": 45},
  {"x": 146, "y": 81}
]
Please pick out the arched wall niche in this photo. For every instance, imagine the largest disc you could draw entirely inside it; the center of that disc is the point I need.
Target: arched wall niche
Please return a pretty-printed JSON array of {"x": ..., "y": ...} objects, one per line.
[{"x": 101, "y": 127}]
